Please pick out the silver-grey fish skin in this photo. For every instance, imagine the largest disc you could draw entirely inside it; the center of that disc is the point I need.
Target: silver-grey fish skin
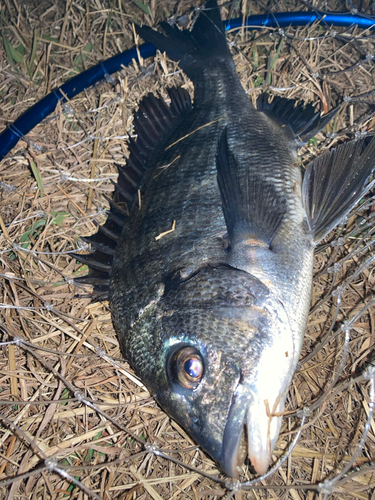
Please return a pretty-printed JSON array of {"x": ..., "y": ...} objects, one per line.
[{"x": 244, "y": 308}]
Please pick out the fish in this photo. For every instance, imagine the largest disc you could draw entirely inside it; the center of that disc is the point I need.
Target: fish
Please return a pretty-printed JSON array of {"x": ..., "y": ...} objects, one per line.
[{"x": 207, "y": 253}]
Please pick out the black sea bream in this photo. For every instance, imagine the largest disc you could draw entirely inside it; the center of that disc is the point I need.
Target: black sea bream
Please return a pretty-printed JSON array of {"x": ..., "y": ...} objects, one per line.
[{"x": 208, "y": 268}]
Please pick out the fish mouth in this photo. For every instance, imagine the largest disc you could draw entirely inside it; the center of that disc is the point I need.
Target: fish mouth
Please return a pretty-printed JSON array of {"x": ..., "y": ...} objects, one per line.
[{"x": 251, "y": 433}]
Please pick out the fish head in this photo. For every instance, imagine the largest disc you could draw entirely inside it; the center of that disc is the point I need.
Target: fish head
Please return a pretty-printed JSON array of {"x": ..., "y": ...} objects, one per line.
[{"x": 217, "y": 353}]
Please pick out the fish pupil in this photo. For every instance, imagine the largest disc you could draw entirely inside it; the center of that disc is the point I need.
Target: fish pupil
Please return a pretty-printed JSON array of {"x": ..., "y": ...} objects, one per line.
[{"x": 193, "y": 368}]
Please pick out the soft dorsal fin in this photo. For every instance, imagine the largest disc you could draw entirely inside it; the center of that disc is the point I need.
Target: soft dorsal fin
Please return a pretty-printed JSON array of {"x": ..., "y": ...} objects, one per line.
[
  {"x": 303, "y": 119},
  {"x": 154, "y": 122},
  {"x": 252, "y": 208},
  {"x": 334, "y": 183}
]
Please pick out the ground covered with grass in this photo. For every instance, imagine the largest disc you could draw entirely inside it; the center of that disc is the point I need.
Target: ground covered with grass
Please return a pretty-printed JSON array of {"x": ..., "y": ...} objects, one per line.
[{"x": 66, "y": 394}]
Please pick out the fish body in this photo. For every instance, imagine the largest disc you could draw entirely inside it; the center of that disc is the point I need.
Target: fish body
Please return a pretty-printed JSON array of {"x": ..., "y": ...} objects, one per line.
[
  {"x": 186, "y": 191},
  {"x": 209, "y": 277}
]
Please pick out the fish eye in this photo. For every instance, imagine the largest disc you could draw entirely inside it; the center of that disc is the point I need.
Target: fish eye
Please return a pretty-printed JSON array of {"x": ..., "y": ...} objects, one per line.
[{"x": 187, "y": 367}]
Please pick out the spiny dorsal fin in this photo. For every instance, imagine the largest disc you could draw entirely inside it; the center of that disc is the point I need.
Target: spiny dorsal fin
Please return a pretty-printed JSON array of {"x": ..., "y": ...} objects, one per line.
[
  {"x": 154, "y": 122},
  {"x": 334, "y": 183},
  {"x": 303, "y": 119},
  {"x": 252, "y": 208}
]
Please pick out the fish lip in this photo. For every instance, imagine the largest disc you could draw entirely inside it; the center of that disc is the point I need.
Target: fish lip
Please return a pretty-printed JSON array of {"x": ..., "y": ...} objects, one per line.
[
  {"x": 233, "y": 434},
  {"x": 241, "y": 424}
]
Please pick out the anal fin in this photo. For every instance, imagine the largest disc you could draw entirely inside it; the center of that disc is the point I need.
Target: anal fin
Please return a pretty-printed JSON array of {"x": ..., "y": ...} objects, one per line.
[
  {"x": 335, "y": 182},
  {"x": 303, "y": 119},
  {"x": 253, "y": 209}
]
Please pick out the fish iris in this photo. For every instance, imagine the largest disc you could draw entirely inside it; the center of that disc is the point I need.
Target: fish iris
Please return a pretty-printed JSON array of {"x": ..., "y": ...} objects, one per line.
[{"x": 187, "y": 367}]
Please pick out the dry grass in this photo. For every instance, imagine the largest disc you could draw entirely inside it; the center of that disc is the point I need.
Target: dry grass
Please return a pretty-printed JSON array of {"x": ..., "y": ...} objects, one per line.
[{"x": 52, "y": 187}]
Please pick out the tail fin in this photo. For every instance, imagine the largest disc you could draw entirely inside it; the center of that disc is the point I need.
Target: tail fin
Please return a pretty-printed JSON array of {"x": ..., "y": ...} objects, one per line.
[{"x": 205, "y": 41}]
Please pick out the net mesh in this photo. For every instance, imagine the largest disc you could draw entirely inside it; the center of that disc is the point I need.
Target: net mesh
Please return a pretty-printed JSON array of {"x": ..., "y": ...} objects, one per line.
[{"x": 75, "y": 420}]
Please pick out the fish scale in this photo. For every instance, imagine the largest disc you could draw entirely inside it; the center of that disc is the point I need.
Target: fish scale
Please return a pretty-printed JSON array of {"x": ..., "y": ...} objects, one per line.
[{"x": 211, "y": 276}]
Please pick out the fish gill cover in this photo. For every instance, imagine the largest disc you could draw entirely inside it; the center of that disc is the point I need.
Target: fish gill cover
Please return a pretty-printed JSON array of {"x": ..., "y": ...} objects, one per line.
[{"x": 75, "y": 418}]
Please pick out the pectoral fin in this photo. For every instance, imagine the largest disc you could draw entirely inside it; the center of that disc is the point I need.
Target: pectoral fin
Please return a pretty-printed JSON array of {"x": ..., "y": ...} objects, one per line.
[
  {"x": 252, "y": 208},
  {"x": 334, "y": 183}
]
